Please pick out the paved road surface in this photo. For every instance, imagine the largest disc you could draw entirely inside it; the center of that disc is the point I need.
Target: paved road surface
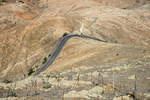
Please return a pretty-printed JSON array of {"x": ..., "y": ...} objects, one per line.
[{"x": 59, "y": 47}]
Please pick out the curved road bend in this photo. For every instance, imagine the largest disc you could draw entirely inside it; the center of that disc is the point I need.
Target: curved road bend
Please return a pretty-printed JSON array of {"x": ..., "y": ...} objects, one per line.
[{"x": 59, "y": 48}]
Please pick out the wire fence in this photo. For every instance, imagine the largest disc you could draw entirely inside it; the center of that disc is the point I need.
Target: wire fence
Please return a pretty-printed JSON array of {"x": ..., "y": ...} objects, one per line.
[
  {"x": 123, "y": 84},
  {"x": 113, "y": 84}
]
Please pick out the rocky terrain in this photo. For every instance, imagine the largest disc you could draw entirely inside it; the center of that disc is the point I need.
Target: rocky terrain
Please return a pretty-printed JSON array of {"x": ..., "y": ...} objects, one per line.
[{"x": 85, "y": 69}]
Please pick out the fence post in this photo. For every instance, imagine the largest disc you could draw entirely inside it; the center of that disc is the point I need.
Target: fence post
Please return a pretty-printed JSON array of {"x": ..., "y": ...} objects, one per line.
[
  {"x": 62, "y": 93},
  {"x": 113, "y": 81},
  {"x": 78, "y": 78},
  {"x": 91, "y": 80},
  {"x": 135, "y": 87}
]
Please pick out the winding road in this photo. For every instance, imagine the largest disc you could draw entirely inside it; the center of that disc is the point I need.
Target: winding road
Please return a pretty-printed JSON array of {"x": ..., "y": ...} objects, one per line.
[{"x": 59, "y": 47}]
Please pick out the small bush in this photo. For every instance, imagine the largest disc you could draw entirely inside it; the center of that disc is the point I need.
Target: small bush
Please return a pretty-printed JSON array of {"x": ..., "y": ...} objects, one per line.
[
  {"x": 49, "y": 55},
  {"x": 3, "y": 0},
  {"x": 30, "y": 71},
  {"x": 44, "y": 60},
  {"x": 21, "y": 1},
  {"x": 11, "y": 93},
  {"x": 36, "y": 66},
  {"x": 65, "y": 34},
  {"x": 7, "y": 81},
  {"x": 47, "y": 85}
]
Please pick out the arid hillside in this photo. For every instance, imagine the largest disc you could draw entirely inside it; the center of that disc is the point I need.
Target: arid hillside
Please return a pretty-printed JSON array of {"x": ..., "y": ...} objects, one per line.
[{"x": 31, "y": 29}]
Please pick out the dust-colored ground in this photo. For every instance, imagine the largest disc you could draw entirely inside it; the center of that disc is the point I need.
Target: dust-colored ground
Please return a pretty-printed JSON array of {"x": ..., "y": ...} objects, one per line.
[{"x": 30, "y": 30}]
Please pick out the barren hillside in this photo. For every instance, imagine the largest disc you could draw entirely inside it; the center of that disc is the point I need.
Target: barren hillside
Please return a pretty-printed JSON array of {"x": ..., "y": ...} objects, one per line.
[{"x": 31, "y": 29}]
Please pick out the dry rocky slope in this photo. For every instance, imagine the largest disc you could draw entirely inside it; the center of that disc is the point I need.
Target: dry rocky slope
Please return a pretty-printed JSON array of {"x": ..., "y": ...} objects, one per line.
[{"x": 30, "y": 30}]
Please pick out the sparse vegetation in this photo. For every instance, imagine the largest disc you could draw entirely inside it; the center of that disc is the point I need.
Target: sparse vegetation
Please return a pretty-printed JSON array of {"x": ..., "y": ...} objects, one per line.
[
  {"x": 47, "y": 85},
  {"x": 30, "y": 71},
  {"x": 44, "y": 60},
  {"x": 7, "y": 81},
  {"x": 36, "y": 66},
  {"x": 3, "y": 0},
  {"x": 21, "y": 1},
  {"x": 65, "y": 34},
  {"x": 11, "y": 93},
  {"x": 49, "y": 55}
]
